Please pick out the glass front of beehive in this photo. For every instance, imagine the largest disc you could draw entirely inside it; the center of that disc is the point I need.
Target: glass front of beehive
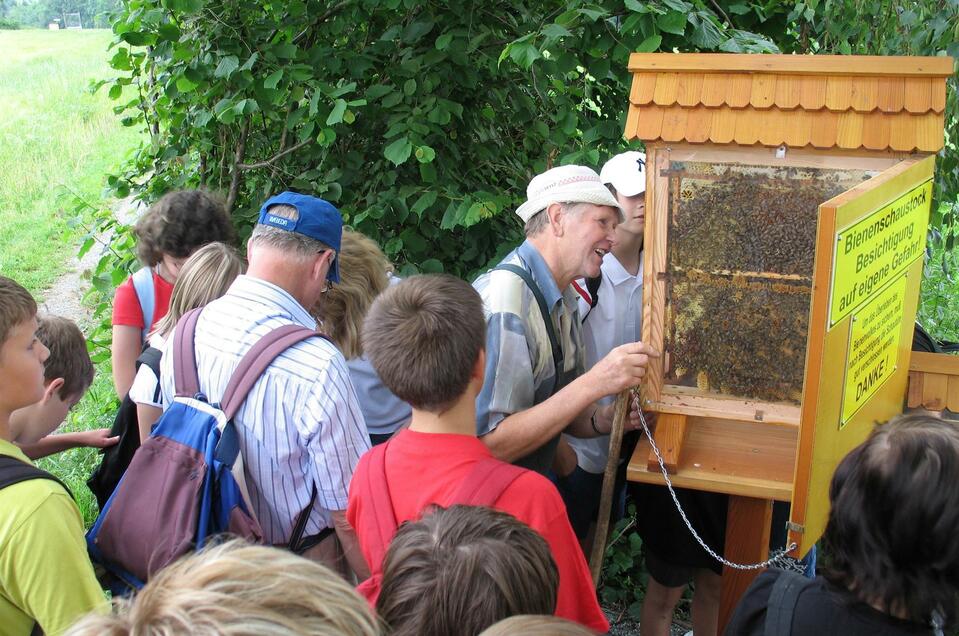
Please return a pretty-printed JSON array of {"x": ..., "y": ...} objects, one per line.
[{"x": 740, "y": 253}]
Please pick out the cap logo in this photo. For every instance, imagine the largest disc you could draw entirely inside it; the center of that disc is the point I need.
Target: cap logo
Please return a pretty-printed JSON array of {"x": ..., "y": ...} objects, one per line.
[
  {"x": 272, "y": 219},
  {"x": 641, "y": 163}
]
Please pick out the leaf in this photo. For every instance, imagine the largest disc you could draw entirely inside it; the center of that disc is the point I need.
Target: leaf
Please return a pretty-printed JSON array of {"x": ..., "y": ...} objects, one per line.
[
  {"x": 425, "y": 201},
  {"x": 425, "y": 154},
  {"x": 409, "y": 87},
  {"x": 184, "y": 85},
  {"x": 393, "y": 246},
  {"x": 706, "y": 34},
  {"x": 431, "y": 266},
  {"x": 273, "y": 79},
  {"x": 115, "y": 91},
  {"x": 336, "y": 115},
  {"x": 443, "y": 41},
  {"x": 678, "y": 5},
  {"x": 673, "y": 22},
  {"x": 250, "y": 61},
  {"x": 375, "y": 92},
  {"x": 650, "y": 44},
  {"x": 136, "y": 38},
  {"x": 227, "y": 65},
  {"x": 556, "y": 31},
  {"x": 398, "y": 151}
]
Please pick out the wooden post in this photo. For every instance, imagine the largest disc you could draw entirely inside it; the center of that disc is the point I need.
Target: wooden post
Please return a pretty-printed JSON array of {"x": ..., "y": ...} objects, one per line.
[
  {"x": 669, "y": 436},
  {"x": 747, "y": 541},
  {"x": 609, "y": 482}
]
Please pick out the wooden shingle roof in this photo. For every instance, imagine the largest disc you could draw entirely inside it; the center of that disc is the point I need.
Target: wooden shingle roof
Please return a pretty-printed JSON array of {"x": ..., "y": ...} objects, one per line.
[{"x": 828, "y": 101}]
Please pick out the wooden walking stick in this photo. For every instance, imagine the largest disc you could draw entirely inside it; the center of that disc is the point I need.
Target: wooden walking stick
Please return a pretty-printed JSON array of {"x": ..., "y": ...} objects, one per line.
[{"x": 609, "y": 483}]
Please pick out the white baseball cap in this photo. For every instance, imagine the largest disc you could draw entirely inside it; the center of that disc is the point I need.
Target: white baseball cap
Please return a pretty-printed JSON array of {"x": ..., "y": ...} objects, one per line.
[
  {"x": 626, "y": 172},
  {"x": 566, "y": 184}
]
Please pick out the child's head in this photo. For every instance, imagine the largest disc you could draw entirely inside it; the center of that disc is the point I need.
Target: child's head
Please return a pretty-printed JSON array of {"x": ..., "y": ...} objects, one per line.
[
  {"x": 22, "y": 355},
  {"x": 891, "y": 535},
  {"x": 176, "y": 225},
  {"x": 67, "y": 375},
  {"x": 363, "y": 275},
  {"x": 425, "y": 337},
  {"x": 205, "y": 276},
  {"x": 239, "y": 589},
  {"x": 459, "y": 570},
  {"x": 536, "y": 625}
]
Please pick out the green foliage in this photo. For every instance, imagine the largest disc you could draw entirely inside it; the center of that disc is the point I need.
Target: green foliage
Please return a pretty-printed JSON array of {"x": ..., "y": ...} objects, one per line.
[
  {"x": 624, "y": 576},
  {"x": 423, "y": 121}
]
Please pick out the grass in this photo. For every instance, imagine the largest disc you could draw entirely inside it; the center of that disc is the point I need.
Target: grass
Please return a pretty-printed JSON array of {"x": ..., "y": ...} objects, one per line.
[{"x": 56, "y": 135}]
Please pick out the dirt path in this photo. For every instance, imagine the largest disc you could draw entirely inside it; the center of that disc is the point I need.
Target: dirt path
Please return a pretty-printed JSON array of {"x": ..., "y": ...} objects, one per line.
[{"x": 65, "y": 296}]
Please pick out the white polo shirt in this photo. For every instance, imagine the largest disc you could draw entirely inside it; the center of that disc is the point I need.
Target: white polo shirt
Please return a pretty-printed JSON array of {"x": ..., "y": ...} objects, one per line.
[
  {"x": 615, "y": 320},
  {"x": 300, "y": 424}
]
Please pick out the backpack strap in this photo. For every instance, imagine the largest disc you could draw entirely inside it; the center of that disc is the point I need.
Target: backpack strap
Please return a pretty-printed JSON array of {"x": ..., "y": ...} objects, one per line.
[
  {"x": 592, "y": 286},
  {"x": 782, "y": 602},
  {"x": 146, "y": 295},
  {"x": 256, "y": 360},
  {"x": 151, "y": 357},
  {"x": 486, "y": 483},
  {"x": 380, "y": 501},
  {"x": 527, "y": 278},
  {"x": 13, "y": 471},
  {"x": 186, "y": 383}
]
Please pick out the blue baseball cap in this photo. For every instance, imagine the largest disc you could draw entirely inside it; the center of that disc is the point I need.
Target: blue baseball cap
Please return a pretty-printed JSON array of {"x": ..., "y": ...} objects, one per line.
[{"x": 318, "y": 219}]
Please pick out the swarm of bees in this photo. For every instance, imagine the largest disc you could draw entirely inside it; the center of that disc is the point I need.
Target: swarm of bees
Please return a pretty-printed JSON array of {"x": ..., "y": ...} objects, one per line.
[{"x": 741, "y": 247}]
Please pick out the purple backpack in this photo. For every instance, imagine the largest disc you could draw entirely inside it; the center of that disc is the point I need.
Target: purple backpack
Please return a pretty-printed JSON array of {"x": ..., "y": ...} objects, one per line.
[{"x": 185, "y": 483}]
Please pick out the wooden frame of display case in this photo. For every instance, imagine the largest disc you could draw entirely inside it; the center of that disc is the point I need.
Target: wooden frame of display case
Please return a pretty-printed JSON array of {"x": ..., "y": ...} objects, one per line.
[{"x": 877, "y": 114}]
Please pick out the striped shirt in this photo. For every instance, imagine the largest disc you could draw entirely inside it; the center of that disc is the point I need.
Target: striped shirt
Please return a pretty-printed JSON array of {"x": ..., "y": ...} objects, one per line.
[
  {"x": 519, "y": 360},
  {"x": 301, "y": 423}
]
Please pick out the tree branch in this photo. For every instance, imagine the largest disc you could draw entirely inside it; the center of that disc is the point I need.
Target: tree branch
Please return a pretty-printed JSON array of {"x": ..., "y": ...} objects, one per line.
[
  {"x": 235, "y": 176},
  {"x": 322, "y": 18},
  {"x": 268, "y": 162},
  {"x": 722, "y": 13}
]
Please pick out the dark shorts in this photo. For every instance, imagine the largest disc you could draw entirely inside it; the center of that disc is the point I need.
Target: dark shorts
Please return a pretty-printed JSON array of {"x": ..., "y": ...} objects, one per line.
[
  {"x": 581, "y": 492},
  {"x": 668, "y": 574},
  {"x": 666, "y": 536}
]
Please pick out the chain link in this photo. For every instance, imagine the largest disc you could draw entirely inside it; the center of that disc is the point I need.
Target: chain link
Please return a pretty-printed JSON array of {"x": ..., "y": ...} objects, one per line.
[{"x": 778, "y": 555}]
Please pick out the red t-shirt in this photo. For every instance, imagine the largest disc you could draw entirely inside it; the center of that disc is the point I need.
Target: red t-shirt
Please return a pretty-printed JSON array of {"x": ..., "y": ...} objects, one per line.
[
  {"x": 126, "y": 307},
  {"x": 428, "y": 468}
]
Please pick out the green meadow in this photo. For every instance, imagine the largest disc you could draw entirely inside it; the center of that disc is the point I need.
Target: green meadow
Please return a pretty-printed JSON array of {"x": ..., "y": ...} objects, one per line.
[{"x": 55, "y": 136}]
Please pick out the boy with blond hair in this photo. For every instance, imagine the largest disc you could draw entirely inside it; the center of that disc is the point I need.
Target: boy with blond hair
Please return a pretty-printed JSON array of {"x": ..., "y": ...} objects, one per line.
[
  {"x": 46, "y": 579},
  {"x": 425, "y": 337}
]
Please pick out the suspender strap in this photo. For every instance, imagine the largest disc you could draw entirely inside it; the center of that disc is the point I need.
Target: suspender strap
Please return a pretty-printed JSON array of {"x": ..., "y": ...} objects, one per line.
[
  {"x": 487, "y": 482},
  {"x": 544, "y": 311},
  {"x": 185, "y": 380},
  {"x": 13, "y": 471},
  {"x": 782, "y": 602}
]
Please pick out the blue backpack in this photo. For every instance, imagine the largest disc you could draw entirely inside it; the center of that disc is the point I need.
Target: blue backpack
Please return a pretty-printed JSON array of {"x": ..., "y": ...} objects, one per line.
[{"x": 185, "y": 483}]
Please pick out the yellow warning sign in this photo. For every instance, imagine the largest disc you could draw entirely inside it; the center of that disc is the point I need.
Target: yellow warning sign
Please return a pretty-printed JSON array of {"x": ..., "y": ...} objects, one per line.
[
  {"x": 877, "y": 248},
  {"x": 873, "y": 346}
]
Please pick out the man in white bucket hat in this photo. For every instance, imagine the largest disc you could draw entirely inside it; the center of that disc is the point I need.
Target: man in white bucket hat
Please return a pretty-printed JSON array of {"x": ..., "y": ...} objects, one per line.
[{"x": 535, "y": 386}]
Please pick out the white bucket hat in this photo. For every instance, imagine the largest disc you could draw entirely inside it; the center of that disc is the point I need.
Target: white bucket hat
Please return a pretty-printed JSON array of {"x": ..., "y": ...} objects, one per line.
[
  {"x": 566, "y": 184},
  {"x": 626, "y": 172}
]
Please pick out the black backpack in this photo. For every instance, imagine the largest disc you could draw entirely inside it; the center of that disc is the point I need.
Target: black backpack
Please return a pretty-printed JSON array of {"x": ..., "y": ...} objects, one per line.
[{"x": 117, "y": 458}]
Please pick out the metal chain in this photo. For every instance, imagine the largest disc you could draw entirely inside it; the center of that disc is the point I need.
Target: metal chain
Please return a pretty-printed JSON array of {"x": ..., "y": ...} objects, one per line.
[{"x": 778, "y": 555}]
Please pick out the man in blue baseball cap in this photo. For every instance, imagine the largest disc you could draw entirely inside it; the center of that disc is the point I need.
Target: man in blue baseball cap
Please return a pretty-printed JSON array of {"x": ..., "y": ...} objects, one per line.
[{"x": 301, "y": 429}]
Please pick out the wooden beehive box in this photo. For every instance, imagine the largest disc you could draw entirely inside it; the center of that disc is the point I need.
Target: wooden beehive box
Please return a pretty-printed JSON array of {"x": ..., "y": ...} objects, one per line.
[
  {"x": 783, "y": 310},
  {"x": 933, "y": 381}
]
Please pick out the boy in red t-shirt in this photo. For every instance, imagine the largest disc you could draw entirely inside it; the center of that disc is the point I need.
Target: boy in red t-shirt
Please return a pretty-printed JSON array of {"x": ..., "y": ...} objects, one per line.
[{"x": 425, "y": 337}]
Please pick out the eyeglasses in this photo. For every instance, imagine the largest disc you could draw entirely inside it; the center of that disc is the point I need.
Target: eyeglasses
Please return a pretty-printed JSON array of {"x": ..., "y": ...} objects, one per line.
[{"x": 329, "y": 283}]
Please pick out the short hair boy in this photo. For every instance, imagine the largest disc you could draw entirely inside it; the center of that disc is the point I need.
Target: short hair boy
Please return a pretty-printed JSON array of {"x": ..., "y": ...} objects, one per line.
[
  {"x": 461, "y": 569},
  {"x": 67, "y": 374},
  {"x": 425, "y": 338},
  {"x": 45, "y": 575}
]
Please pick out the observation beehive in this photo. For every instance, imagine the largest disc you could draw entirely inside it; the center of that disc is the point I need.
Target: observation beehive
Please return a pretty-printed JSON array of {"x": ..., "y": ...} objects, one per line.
[{"x": 787, "y": 202}]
